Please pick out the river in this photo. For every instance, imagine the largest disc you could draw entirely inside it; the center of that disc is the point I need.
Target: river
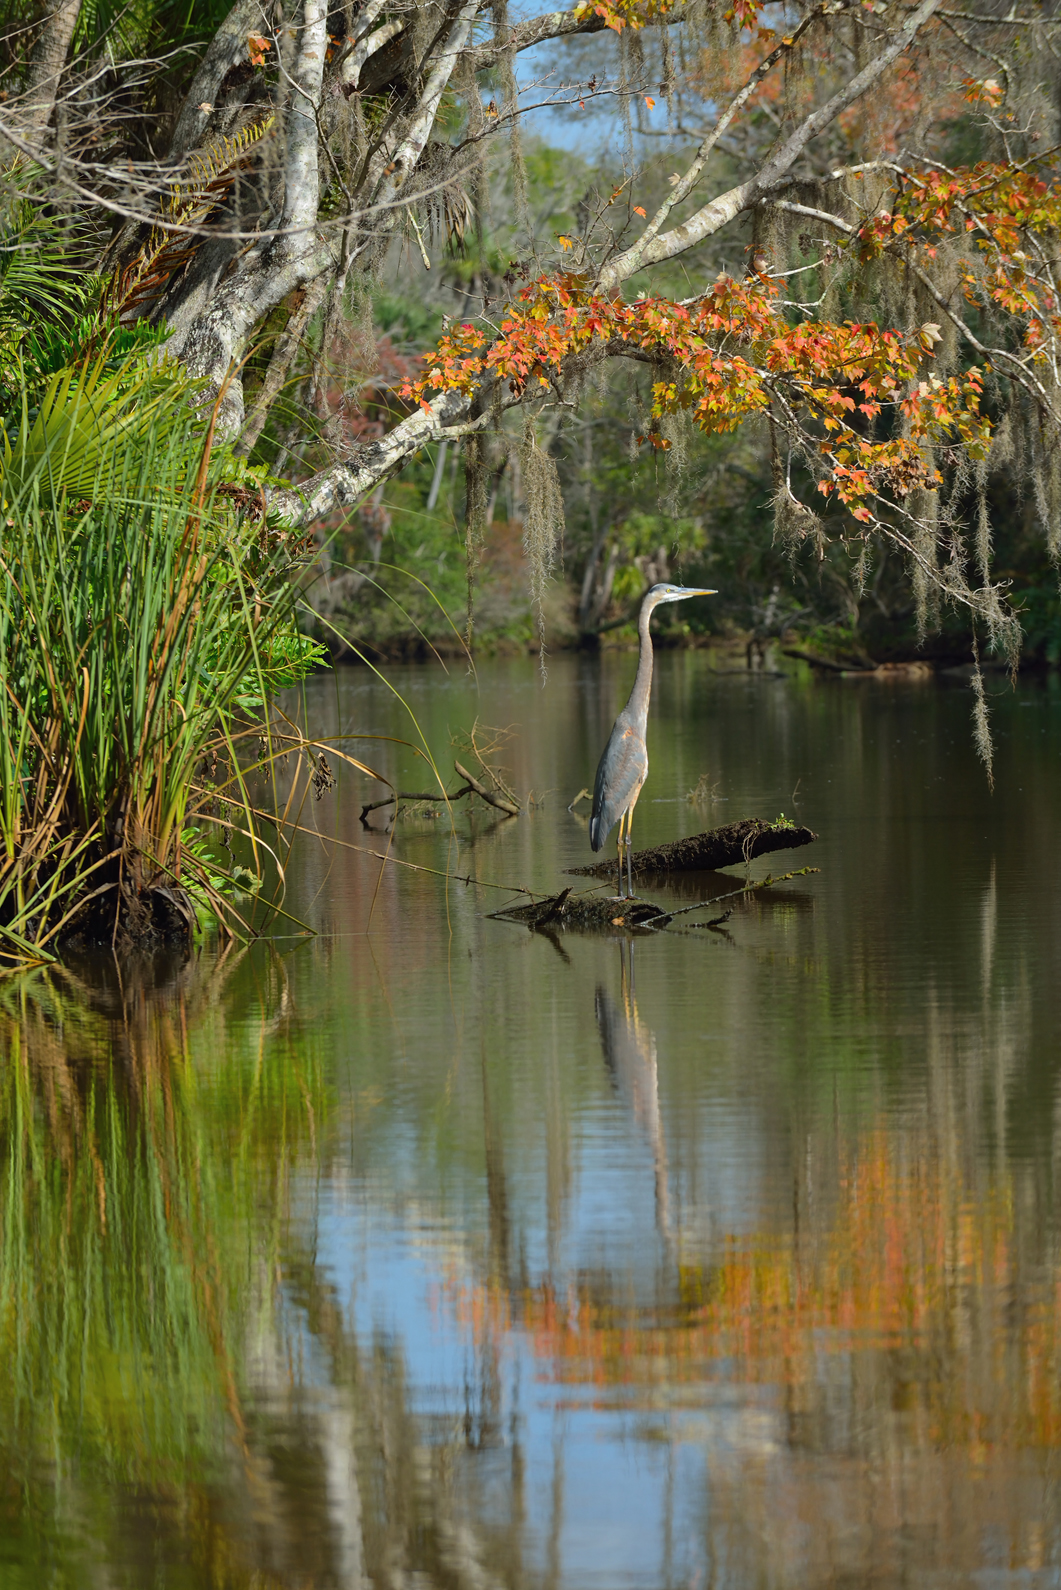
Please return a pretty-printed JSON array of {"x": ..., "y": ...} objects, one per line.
[{"x": 429, "y": 1251}]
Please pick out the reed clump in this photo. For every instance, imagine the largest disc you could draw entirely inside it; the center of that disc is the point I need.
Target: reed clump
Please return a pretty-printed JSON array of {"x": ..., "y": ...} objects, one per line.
[{"x": 146, "y": 616}]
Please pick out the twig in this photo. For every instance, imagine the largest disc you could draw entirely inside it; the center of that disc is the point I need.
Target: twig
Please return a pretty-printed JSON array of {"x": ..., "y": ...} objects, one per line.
[
  {"x": 492, "y": 800},
  {"x": 747, "y": 888},
  {"x": 411, "y": 795},
  {"x": 472, "y": 786}
]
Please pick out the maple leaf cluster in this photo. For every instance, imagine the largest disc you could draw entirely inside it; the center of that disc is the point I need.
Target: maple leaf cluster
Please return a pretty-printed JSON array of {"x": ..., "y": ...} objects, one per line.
[
  {"x": 635, "y": 14},
  {"x": 730, "y": 354},
  {"x": 632, "y": 14},
  {"x": 997, "y": 207}
]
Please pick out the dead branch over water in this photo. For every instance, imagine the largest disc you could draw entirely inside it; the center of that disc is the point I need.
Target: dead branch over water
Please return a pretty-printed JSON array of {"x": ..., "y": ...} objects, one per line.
[{"x": 471, "y": 786}]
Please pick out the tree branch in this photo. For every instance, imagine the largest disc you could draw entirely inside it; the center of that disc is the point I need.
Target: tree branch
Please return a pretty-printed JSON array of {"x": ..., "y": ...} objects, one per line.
[
  {"x": 367, "y": 46},
  {"x": 227, "y": 47},
  {"x": 344, "y": 484},
  {"x": 404, "y": 160},
  {"x": 1003, "y": 22},
  {"x": 301, "y": 166},
  {"x": 553, "y": 25},
  {"x": 692, "y": 176},
  {"x": 815, "y": 215},
  {"x": 713, "y": 216}
]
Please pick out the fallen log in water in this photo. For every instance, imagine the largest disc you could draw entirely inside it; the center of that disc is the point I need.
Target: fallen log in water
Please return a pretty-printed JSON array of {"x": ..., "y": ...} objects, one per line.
[
  {"x": 597, "y": 913},
  {"x": 730, "y": 846}
]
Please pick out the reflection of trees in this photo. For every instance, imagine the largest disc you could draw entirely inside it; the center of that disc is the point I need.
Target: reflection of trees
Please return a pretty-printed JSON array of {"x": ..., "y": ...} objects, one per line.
[
  {"x": 884, "y": 1326},
  {"x": 181, "y": 1387}
]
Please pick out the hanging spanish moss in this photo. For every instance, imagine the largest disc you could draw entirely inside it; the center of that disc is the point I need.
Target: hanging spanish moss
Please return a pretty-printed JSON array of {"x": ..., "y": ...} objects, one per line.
[
  {"x": 924, "y": 506},
  {"x": 510, "y": 107},
  {"x": 475, "y": 491},
  {"x": 983, "y": 524},
  {"x": 543, "y": 524},
  {"x": 981, "y": 721}
]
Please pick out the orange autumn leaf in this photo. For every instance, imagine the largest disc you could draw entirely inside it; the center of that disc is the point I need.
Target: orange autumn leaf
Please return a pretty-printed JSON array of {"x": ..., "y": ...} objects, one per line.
[
  {"x": 619, "y": 14},
  {"x": 257, "y": 44},
  {"x": 987, "y": 89}
]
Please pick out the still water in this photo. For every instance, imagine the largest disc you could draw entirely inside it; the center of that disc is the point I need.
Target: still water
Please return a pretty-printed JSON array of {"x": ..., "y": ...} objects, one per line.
[{"x": 434, "y": 1252}]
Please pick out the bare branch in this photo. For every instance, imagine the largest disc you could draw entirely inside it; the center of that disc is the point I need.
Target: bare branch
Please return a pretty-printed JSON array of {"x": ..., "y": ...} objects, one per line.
[
  {"x": 713, "y": 216},
  {"x": 692, "y": 176},
  {"x": 404, "y": 159},
  {"x": 369, "y": 44},
  {"x": 1003, "y": 22},
  {"x": 344, "y": 484},
  {"x": 815, "y": 215}
]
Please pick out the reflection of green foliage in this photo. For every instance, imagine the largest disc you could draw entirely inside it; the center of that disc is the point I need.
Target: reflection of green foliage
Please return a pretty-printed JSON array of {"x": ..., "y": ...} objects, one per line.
[{"x": 130, "y": 1171}]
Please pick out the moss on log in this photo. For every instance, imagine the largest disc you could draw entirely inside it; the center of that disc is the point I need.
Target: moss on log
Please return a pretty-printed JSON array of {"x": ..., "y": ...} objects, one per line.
[{"x": 730, "y": 846}]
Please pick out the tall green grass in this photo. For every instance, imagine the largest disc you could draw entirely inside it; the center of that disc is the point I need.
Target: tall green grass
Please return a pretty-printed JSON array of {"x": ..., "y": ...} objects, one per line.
[{"x": 145, "y": 618}]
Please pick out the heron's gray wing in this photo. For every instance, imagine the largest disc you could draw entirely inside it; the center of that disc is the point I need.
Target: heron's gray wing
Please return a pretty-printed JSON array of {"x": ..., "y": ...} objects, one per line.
[{"x": 620, "y": 774}]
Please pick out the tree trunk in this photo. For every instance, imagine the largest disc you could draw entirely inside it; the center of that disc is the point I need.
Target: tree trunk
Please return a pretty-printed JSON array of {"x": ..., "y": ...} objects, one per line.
[{"x": 47, "y": 65}]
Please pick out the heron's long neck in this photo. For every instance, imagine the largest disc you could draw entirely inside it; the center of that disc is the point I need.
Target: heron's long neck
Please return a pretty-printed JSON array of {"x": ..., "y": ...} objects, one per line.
[{"x": 642, "y": 691}]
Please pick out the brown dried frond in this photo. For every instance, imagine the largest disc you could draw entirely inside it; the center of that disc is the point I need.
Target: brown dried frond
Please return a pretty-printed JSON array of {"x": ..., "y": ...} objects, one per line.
[{"x": 206, "y": 183}]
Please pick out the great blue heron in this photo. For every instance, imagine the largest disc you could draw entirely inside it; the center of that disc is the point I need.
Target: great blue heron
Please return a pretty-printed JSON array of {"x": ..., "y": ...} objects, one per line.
[{"x": 624, "y": 766}]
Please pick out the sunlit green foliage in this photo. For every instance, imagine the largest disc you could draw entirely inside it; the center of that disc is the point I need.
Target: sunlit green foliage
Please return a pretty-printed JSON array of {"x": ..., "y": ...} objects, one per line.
[{"x": 142, "y": 619}]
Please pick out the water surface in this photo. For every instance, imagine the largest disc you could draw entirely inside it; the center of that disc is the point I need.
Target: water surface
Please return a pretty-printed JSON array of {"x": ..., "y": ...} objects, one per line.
[{"x": 433, "y": 1252}]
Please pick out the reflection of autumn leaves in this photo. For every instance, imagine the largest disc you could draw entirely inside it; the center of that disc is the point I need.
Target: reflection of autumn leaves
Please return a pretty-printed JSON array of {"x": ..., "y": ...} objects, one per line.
[{"x": 912, "y": 1270}]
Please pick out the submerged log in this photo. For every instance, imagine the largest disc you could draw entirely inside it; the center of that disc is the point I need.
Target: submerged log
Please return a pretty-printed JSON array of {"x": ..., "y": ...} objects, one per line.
[
  {"x": 596, "y": 913},
  {"x": 730, "y": 846},
  {"x": 583, "y": 911}
]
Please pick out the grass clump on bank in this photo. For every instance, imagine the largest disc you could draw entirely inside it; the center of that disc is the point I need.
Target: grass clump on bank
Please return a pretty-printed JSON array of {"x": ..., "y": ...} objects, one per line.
[{"x": 146, "y": 616}]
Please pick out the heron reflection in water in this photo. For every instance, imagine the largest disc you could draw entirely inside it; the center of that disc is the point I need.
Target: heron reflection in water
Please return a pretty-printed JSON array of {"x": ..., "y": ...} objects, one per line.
[
  {"x": 623, "y": 768},
  {"x": 630, "y": 1056}
]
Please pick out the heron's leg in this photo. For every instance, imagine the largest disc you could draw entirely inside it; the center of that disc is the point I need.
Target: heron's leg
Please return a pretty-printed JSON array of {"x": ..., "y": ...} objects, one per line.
[
  {"x": 630, "y": 843},
  {"x": 622, "y": 824}
]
